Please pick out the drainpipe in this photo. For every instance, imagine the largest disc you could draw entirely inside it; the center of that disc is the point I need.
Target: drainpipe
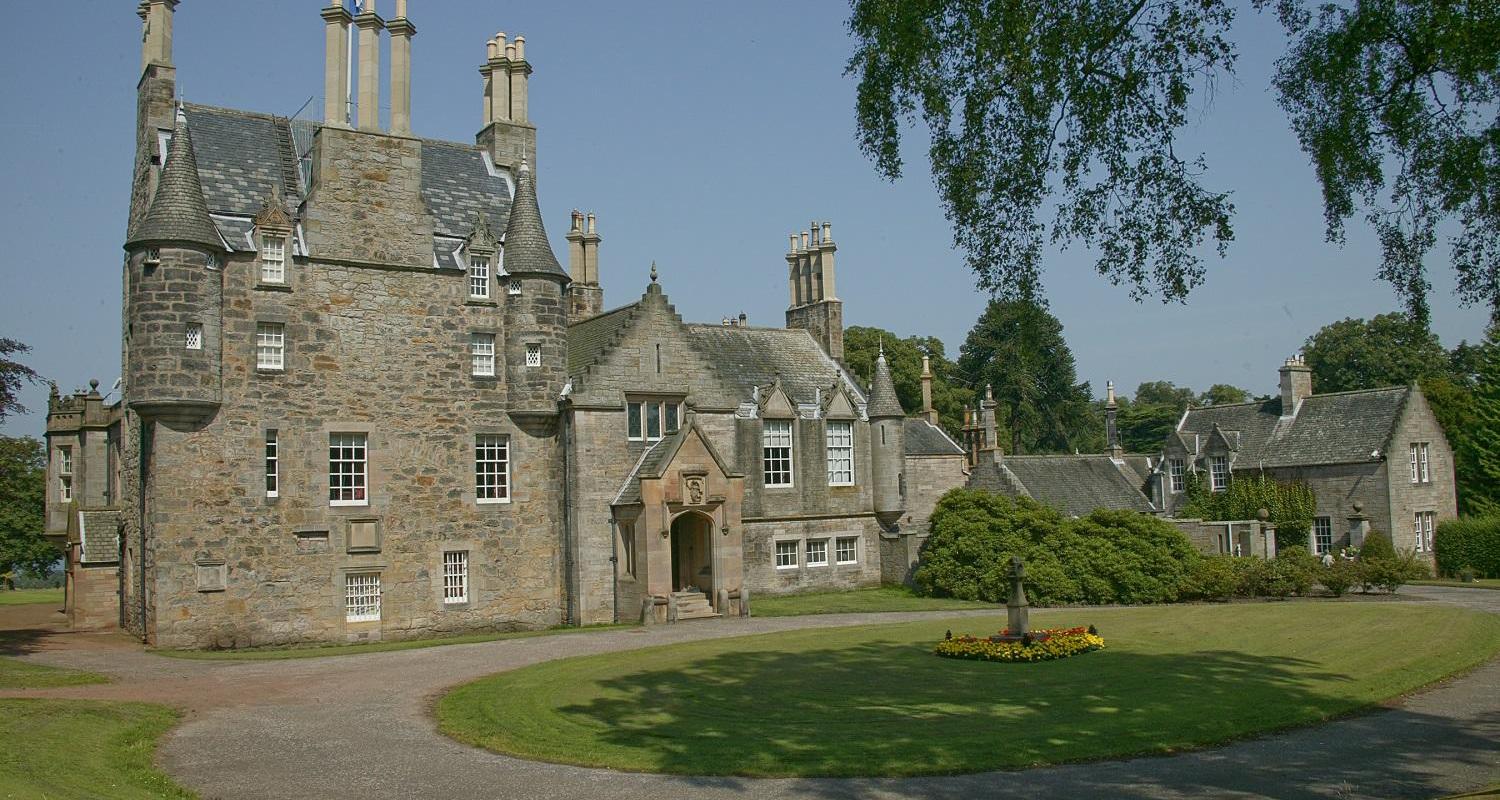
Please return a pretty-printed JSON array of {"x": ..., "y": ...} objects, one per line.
[
  {"x": 140, "y": 566},
  {"x": 566, "y": 437},
  {"x": 614, "y": 563}
]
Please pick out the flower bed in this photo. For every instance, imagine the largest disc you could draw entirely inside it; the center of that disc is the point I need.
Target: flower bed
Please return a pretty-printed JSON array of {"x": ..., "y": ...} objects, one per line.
[{"x": 1042, "y": 645}]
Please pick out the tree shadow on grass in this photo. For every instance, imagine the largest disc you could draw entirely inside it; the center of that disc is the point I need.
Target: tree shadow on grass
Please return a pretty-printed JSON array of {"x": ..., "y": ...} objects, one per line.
[{"x": 891, "y": 707}]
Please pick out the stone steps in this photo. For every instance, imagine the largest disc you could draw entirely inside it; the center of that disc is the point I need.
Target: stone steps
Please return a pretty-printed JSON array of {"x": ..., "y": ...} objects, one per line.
[{"x": 693, "y": 605}]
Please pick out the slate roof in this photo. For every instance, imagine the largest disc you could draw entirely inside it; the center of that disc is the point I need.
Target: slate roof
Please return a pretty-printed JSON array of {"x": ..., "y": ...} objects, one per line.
[
  {"x": 178, "y": 212},
  {"x": 526, "y": 247},
  {"x": 926, "y": 439},
  {"x": 1076, "y": 485},
  {"x": 457, "y": 185},
  {"x": 747, "y": 357},
  {"x": 242, "y": 156},
  {"x": 883, "y": 401},
  {"x": 99, "y": 536},
  {"x": 649, "y": 462},
  {"x": 1338, "y": 428},
  {"x": 590, "y": 339}
]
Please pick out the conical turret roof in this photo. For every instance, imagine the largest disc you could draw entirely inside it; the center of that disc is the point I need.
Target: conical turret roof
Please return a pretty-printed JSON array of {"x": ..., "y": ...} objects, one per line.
[
  {"x": 883, "y": 402},
  {"x": 178, "y": 212},
  {"x": 526, "y": 247}
]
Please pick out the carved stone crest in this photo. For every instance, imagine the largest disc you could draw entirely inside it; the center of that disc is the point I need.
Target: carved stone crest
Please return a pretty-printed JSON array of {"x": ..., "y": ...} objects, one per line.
[{"x": 695, "y": 489}]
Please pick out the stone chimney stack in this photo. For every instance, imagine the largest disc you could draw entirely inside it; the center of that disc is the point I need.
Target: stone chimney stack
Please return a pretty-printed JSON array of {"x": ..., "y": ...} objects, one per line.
[
  {"x": 369, "y": 24},
  {"x": 990, "y": 435},
  {"x": 927, "y": 410},
  {"x": 1296, "y": 385},
  {"x": 520, "y": 72},
  {"x": 336, "y": 64},
  {"x": 1111, "y": 429},
  {"x": 401, "y": 32},
  {"x": 812, "y": 304},
  {"x": 507, "y": 133},
  {"x": 156, "y": 18},
  {"x": 585, "y": 296}
]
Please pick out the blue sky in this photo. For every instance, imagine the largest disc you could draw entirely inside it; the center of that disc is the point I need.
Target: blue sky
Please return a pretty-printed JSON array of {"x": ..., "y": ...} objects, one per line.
[{"x": 701, "y": 133}]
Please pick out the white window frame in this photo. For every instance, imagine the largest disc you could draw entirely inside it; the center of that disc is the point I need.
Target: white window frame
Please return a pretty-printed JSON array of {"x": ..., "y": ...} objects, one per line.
[
  {"x": 349, "y": 469},
  {"x": 65, "y": 473},
  {"x": 270, "y": 346},
  {"x": 482, "y": 355},
  {"x": 273, "y": 463},
  {"x": 785, "y": 548},
  {"x": 455, "y": 577},
  {"x": 193, "y": 340},
  {"x": 817, "y": 552},
  {"x": 839, "y": 550},
  {"x": 640, "y": 414},
  {"x": 1429, "y": 520},
  {"x": 479, "y": 277},
  {"x": 1177, "y": 475},
  {"x": 513, "y": 288},
  {"x": 1413, "y": 463},
  {"x": 1218, "y": 473},
  {"x": 777, "y": 435},
  {"x": 272, "y": 259},
  {"x": 533, "y": 354},
  {"x": 491, "y": 468},
  {"x": 1422, "y": 525},
  {"x": 1322, "y": 535},
  {"x": 362, "y": 597},
  {"x": 839, "y": 440},
  {"x": 1422, "y": 462}
]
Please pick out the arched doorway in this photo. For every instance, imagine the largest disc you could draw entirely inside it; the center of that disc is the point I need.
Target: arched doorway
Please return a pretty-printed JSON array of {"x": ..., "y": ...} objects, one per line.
[{"x": 692, "y": 561}]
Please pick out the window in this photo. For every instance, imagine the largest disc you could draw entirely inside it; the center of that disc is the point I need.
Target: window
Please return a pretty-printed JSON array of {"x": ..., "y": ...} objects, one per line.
[
  {"x": 1422, "y": 530},
  {"x": 270, "y": 345},
  {"x": 1218, "y": 473},
  {"x": 194, "y": 336},
  {"x": 455, "y": 576},
  {"x": 273, "y": 464},
  {"x": 1427, "y": 523},
  {"x": 1322, "y": 535},
  {"x": 840, "y": 437},
  {"x": 817, "y": 552},
  {"x": 650, "y": 420},
  {"x": 514, "y": 289},
  {"x": 482, "y": 354},
  {"x": 1419, "y": 466},
  {"x": 65, "y": 474},
  {"x": 533, "y": 354},
  {"x": 346, "y": 469},
  {"x": 627, "y": 547},
  {"x": 272, "y": 259},
  {"x": 362, "y": 597},
  {"x": 153, "y": 257},
  {"x": 491, "y": 468},
  {"x": 786, "y": 555},
  {"x": 846, "y": 550},
  {"x": 479, "y": 277},
  {"x": 1175, "y": 468},
  {"x": 776, "y": 447}
]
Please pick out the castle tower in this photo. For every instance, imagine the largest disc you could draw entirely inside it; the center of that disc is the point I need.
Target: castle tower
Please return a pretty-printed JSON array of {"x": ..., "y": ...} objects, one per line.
[
  {"x": 813, "y": 306},
  {"x": 887, "y": 444},
  {"x": 174, "y": 296},
  {"x": 585, "y": 296},
  {"x": 535, "y": 307}
]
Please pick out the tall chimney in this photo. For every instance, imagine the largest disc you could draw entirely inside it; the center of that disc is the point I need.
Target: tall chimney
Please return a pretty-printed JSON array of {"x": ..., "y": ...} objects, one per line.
[
  {"x": 369, "y": 25},
  {"x": 336, "y": 64},
  {"x": 499, "y": 85},
  {"x": 157, "y": 17},
  {"x": 591, "y": 239},
  {"x": 989, "y": 433},
  {"x": 519, "y": 72},
  {"x": 507, "y": 134},
  {"x": 401, "y": 32},
  {"x": 577, "y": 267},
  {"x": 585, "y": 296},
  {"x": 1296, "y": 385},
  {"x": 1111, "y": 428},
  {"x": 927, "y": 410}
]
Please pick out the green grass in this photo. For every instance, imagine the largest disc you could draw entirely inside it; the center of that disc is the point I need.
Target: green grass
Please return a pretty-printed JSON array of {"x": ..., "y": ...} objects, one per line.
[
  {"x": 873, "y": 700},
  {"x": 883, "y": 598},
  {"x": 81, "y": 748},
  {"x": 22, "y": 597},
  {"x": 322, "y": 650},
  {"x": 16, "y": 674},
  {"x": 1480, "y": 583}
]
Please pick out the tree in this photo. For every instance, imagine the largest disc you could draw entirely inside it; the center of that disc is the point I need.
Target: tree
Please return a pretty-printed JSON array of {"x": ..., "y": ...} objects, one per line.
[
  {"x": 1017, "y": 348},
  {"x": 12, "y": 375},
  {"x": 1077, "y": 106},
  {"x": 23, "y": 493},
  {"x": 1164, "y": 393},
  {"x": 1388, "y": 350},
  {"x": 862, "y": 344},
  {"x": 1144, "y": 427},
  {"x": 1222, "y": 394},
  {"x": 1481, "y": 491}
]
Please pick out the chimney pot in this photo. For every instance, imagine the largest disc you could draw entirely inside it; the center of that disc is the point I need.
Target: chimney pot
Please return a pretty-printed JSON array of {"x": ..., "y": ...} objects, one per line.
[
  {"x": 500, "y": 43},
  {"x": 491, "y": 50},
  {"x": 510, "y": 51},
  {"x": 804, "y": 240},
  {"x": 591, "y": 222},
  {"x": 400, "y": 9},
  {"x": 792, "y": 243},
  {"x": 520, "y": 47}
]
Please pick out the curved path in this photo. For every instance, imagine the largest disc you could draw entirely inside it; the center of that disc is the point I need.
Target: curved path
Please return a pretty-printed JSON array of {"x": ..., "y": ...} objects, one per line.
[{"x": 358, "y": 726}]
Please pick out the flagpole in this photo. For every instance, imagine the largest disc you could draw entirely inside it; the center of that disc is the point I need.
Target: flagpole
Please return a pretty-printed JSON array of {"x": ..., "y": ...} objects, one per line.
[{"x": 349, "y": 77}]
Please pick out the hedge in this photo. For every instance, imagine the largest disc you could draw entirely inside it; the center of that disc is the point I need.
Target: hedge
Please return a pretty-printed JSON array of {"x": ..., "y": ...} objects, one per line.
[{"x": 1469, "y": 543}]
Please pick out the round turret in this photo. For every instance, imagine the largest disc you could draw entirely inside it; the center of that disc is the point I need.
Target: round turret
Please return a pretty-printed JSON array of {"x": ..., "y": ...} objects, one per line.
[
  {"x": 887, "y": 444},
  {"x": 536, "y": 322}
]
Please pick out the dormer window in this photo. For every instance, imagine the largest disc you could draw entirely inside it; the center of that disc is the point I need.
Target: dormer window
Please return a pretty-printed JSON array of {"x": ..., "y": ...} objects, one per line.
[
  {"x": 1218, "y": 473},
  {"x": 479, "y": 277},
  {"x": 272, "y": 259}
]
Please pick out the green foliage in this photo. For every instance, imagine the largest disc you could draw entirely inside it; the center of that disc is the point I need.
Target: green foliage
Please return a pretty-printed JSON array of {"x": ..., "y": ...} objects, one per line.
[
  {"x": 1377, "y": 547},
  {"x": 1390, "y": 574},
  {"x": 1017, "y": 347},
  {"x": 1291, "y": 505},
  {"x": 23, "y": 499},
  {"x": 1294, "y": 570},
  {"x": 1145, "y": 426},
  {"x": 1471, "y": 543},
  {"x": 1340, "y": 576},
  {"x": 1222, "y": 394},
  {"x": 862, "y": 344},
  {"x": 1479, "y": 447},
  {"x": 1164, "y": 393},
  {"x": 1388, "y": 350},
  {"x": 1215, "y": 578},
  {"x": 1105, "y": 557},
  {"x": 12, "y": 375}
]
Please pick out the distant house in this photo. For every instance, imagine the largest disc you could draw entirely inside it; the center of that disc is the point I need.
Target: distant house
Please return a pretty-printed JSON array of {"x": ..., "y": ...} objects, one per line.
[{"x": 1375, "y": 459}]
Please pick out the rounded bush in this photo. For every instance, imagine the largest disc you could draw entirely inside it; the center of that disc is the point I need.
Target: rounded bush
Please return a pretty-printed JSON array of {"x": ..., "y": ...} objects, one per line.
[{"x": 1471, "y": 543}]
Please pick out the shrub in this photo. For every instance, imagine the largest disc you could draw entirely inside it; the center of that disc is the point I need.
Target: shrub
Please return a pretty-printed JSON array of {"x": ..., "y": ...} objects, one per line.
[
  {"x": 1298, "y": 568},
  {"x": 1392, "y": 573},
  {"x": 1339, "y": 576},
  {"x": 1377, "y": 546},
  {"x": 1469, "y": 542},
  {"x": 1213, "y": 578},
  {"x": 1106, "y": 557}
]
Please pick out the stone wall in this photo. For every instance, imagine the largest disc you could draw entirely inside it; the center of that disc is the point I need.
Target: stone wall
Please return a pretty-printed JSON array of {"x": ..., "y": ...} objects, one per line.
[
  {"x": 366, "y": 199},
  {"x": 1438, "y": 495},
  {"x": 764, "y": 578},
  {"x": 927, "y": 479},
  {"x": 93, "y": 596}
]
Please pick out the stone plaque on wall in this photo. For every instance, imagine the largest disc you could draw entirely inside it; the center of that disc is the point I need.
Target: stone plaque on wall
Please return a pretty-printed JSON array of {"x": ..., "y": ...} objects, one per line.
[{"x": 364, "y": 536}]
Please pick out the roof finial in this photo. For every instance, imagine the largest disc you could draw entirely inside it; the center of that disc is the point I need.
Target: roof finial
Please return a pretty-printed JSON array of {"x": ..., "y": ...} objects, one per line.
[
  {"x": 653, "y": 270},
  {"x": 880, "y": 342}
]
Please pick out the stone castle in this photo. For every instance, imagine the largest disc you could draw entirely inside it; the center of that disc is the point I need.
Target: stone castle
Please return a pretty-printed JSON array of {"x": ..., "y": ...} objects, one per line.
[{"x": 362, "y": 399}]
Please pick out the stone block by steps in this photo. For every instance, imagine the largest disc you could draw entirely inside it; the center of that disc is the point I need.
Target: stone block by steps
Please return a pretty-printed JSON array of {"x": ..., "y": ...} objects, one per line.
[{"x": 693, "y": 605}]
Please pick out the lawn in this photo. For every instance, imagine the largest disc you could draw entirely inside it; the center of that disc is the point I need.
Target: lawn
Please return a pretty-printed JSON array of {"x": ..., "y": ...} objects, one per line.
[
  {"x": 1480, "y": 583},
  {"x": 883, "y": 598},
  {"x": 21, "y": 597},
  {"x": 873, "y": 700},
  {"x": 81, "y": 748},
  {"x": 17, "y": 674},
  {"x": 322, "y": 650}
]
